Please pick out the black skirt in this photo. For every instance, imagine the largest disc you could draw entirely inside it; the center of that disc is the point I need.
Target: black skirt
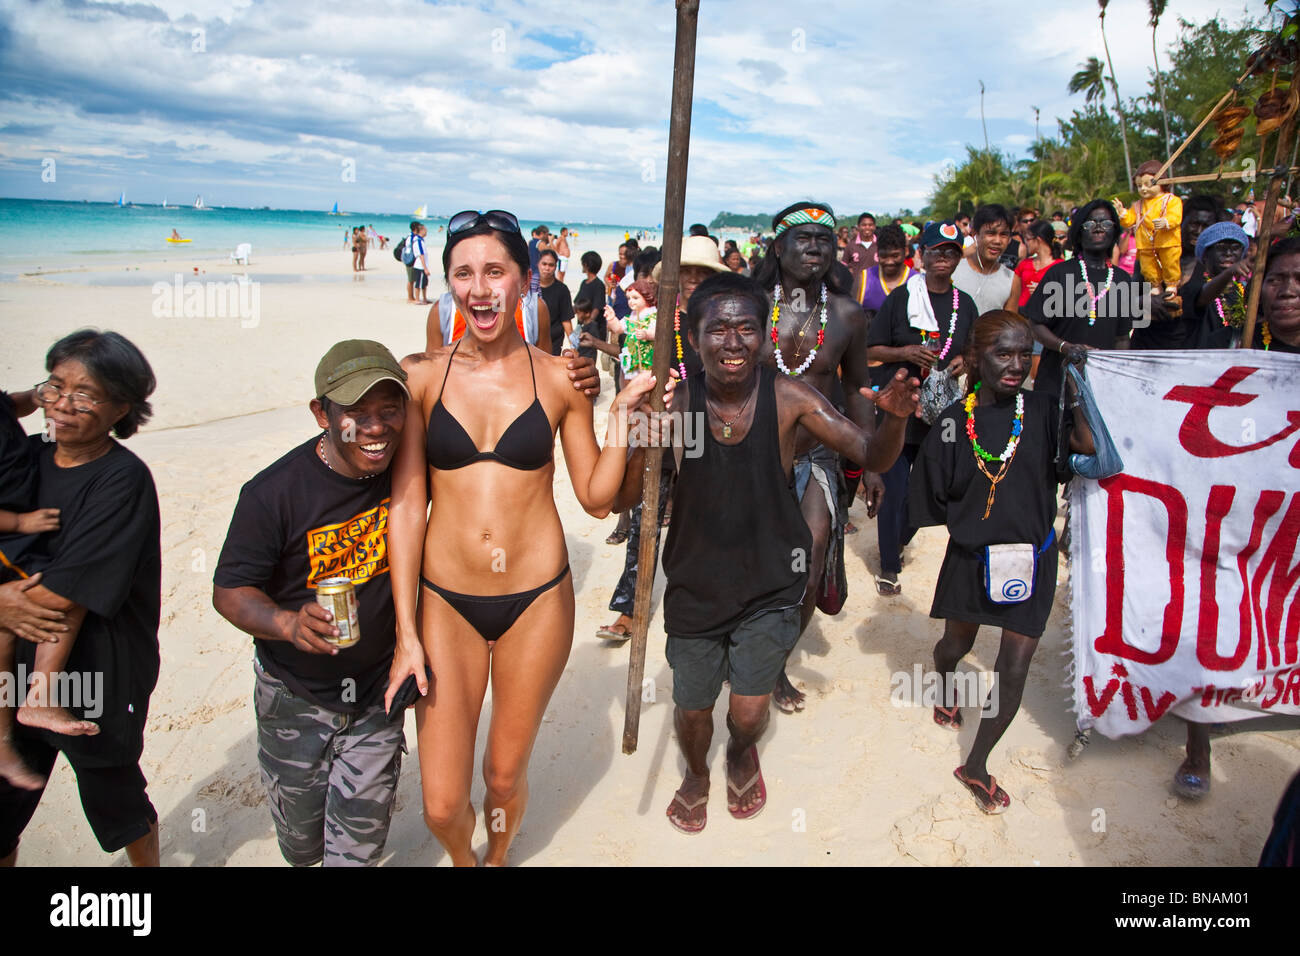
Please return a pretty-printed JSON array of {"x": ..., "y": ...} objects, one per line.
[{"x": 960, "y": 595}]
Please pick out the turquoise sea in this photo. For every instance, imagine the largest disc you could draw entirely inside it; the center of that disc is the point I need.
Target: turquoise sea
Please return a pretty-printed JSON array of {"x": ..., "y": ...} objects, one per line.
[{"x": 51, "y": 235}]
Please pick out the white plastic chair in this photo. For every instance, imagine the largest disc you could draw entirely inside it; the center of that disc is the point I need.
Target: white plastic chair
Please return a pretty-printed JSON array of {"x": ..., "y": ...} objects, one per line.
[{"x": 242, "y": 252}]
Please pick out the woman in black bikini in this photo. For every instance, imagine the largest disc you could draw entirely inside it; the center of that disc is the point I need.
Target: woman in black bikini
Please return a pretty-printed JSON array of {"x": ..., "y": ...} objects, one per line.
[{"x": 489, "y": 567}]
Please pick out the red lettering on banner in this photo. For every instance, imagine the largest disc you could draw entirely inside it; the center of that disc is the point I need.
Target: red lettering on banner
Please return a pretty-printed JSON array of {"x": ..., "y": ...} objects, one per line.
[
  {"x": 1097, "y": 704},
  {"x": 1155, "y": 709},
  {"x": 1207, "y": 628},
  {"x": 1277, "y": 558},
  {"x": 1111, "y": 640},
  {"x": 1195, "y": 435}
]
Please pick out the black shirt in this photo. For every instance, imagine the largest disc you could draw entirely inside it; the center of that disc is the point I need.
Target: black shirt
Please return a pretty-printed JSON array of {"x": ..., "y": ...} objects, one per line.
[
  {"x": 18, "y": 465},
  {"x": 105, "y": 557},
  {"x": 559, "y": 302},
  {"x": 889, "y": 327},
  {"x": 734, "y": 508},
  {"x": 298, "y": 522},
  {"x": 594, "y": 291},
  {"x": 1207, "y": 330},
  {"x": 1061, "y": 303}
]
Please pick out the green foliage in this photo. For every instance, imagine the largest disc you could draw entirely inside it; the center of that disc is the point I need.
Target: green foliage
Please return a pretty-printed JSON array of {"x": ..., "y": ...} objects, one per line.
[
  {"x": 736, "y": 220},
  {"x": 1085, "y": 159}
]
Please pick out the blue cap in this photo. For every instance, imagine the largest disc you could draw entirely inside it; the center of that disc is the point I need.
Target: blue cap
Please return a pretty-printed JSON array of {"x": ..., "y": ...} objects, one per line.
[
  {"x": 939, "y": 233},
  {"x": 1218, "y": 233}
]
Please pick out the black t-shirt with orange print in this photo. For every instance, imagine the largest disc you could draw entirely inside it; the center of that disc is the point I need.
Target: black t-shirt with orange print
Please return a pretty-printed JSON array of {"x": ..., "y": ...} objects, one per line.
[{"x": 297, "y": 523}]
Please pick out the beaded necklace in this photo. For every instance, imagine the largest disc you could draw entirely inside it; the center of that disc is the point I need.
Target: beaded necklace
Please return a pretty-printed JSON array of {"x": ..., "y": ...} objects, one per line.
[
  {"x": 1094, "y": 299},
  {"x": 952, "y": 326},
  {"x": 776, "y": 343},
  {"x": 1008, "y": 453},
  {"x": 677, "y": 333}
]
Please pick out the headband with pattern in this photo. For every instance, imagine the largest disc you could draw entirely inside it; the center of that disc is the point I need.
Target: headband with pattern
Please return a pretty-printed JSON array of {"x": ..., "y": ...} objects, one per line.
[{"x": 818, "y": 217}]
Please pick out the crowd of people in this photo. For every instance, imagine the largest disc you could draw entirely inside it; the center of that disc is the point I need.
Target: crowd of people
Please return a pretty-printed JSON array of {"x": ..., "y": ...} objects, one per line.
[{"x": 429, "y": 484}]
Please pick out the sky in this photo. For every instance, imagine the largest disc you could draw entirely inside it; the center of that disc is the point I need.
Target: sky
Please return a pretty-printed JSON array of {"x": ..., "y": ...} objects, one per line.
[{"x": 554, "y": 110}]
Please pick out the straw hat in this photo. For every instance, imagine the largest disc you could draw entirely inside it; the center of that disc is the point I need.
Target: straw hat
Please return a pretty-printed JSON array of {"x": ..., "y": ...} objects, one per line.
[{"x": 697, "y": 251}]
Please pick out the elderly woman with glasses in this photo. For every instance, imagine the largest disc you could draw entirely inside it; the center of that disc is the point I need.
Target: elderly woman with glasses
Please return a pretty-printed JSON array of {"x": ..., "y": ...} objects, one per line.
[
  {"x": 1086, "y": 302},
  {"x": 481, "y": 585},
  {"x": 86, "y": 600}
]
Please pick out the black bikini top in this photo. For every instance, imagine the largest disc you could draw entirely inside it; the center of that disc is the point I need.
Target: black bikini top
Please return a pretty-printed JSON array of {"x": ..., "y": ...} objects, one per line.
[{"x": 527, "y": 444}]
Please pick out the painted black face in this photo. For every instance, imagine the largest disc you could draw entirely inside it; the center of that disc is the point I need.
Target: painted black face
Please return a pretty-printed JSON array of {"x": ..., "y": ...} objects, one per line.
[
  {"x": 1223, "y": 254},
  {"x": 728, "y": 339},
  {"x": 1005, "y": 364},
  {"x": 806, "y": 252},
  {"x": 941, "y": 260},
  {"x": 1194, "y": 225},
  {"x": 1099, "y": 231},
  {"x": 1279, "y": 297}
]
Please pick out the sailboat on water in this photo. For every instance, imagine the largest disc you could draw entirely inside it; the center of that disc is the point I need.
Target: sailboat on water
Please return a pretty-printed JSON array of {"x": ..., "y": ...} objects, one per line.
[
  {"x": 198, "y": 204},
  {"x": 164, "y": 205},
  {"x": 121, "y": 200},
  {"x": 335, "y": 210},
  {"x": 421, "y": 213}
]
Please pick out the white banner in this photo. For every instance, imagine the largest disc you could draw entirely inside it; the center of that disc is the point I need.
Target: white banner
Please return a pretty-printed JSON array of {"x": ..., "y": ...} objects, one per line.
[{"x": 1185, "y": 567}]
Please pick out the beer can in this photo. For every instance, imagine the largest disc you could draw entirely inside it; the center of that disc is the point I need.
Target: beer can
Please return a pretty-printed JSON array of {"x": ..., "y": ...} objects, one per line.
[{"x": 339, "y": 596}]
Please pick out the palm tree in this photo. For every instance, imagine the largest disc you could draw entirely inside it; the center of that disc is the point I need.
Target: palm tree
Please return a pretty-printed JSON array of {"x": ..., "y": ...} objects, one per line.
[
  {"x": 1157, "y": 10},
  {"x": 1119, "y": 110},
  {"x": 1090, "y": 80}
]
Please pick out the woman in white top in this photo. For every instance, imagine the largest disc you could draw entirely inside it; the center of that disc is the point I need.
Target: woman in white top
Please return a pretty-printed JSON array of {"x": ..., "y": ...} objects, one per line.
[{"x": 979, "y": 274}]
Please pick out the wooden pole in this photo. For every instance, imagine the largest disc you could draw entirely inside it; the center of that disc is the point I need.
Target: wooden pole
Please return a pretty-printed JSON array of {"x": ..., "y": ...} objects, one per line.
[
  {"x": 679, "y": 141},
  {"x": 1234, "y": 174},
  {"x": 1265, "y": 231},
  {"x": 1208, "y": 116}
]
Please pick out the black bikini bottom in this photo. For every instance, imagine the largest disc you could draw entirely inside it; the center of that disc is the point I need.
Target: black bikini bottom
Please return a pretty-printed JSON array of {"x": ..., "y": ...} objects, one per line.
[{"x": 494, "y": 614}]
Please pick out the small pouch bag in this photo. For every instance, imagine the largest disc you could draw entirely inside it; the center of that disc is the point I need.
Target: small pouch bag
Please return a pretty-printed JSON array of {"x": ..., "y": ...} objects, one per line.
[{"x": 1010, "y": 570}]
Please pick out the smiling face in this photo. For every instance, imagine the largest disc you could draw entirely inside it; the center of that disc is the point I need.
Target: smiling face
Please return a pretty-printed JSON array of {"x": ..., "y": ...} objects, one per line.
[
  {"x": 72, "y": 427},
  {"x": 1146, "y": 185},
  {"x": 866, "y": 228},
  {"x": 486, "y": 284},
  {"x": 728, "y": 339},
  {"x": 805, "y": 252},
  {"x": 890, "y": 261},
  {"x": 635, "y": 301},
  {"x": 991, "y": 241},
  {"x": 1279, "y": 298},
  {"x": 1004, "y": 365},
  {"x": 363, "y": 436}
]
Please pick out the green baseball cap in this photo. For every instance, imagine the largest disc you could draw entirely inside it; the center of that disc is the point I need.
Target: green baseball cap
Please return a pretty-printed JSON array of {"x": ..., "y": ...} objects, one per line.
[{"x": 352, "y": 368}]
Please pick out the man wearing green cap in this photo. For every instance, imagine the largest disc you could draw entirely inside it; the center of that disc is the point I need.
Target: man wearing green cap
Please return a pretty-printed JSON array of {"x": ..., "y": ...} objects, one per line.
[{"x": 329, "y": 756}]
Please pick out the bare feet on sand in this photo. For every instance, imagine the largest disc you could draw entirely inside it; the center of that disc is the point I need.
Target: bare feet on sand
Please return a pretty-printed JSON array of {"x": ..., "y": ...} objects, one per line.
[
  {"x": 55, "y": 719},
  {"x": 15, "y": 771}
]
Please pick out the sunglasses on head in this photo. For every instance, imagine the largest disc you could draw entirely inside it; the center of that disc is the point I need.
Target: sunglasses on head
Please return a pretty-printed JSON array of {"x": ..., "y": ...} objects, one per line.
[{"x": 493, "y": 218}]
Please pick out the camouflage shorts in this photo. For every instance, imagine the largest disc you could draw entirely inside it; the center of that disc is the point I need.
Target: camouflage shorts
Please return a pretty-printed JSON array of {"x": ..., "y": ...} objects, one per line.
[{"x": 330, "y": 778}]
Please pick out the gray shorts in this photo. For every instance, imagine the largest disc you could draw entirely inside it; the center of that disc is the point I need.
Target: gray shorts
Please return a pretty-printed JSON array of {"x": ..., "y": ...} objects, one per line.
[
  {"x": 751, "y": 657},
  {"x": 330, "y": 778}
]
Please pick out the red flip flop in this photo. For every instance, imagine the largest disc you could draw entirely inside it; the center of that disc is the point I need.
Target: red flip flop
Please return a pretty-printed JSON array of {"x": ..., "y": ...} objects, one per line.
[
  {"x": 755, "y": 780},
  {"x": 998, "y": 805}
]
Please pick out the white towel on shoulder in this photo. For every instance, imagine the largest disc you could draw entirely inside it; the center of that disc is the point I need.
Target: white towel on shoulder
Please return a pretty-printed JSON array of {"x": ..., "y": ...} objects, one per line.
[{"x": 920, "y": 313}]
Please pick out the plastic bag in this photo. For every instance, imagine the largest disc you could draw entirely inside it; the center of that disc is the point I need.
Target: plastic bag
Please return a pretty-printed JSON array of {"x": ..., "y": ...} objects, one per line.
[{"x": 1107, "y": 461}]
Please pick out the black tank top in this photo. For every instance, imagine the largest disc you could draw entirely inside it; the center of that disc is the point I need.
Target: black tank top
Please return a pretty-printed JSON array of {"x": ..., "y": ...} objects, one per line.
[
  {"x": 527, "y": 443},
  {"x": 737, "y": 544}
]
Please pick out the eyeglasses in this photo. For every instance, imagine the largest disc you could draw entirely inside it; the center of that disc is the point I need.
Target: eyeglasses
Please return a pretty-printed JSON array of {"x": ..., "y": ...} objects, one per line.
[
  {"x": 1093, "y": 228},
  {"x": 1027, "y": 221},
  {"x": 493, "y": 218},
  {"x": 48, "y": 394}
]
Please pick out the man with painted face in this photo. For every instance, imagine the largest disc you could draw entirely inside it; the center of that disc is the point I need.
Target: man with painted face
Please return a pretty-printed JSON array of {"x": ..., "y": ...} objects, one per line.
[
  {"x": 1199, "y": 212},
  {"x": 329, "y": 757},
  {"x": 1086, "y": 302},
  {"x": 816, "y": 330},
  {"x": 1214, "y": 294},
  {"x": 922, "y": 325},
  {"x": 736, "y": 555}
]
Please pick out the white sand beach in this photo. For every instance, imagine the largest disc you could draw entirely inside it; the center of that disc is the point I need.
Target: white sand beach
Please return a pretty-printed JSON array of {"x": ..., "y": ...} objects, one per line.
[{"x": 852, "y": 780}]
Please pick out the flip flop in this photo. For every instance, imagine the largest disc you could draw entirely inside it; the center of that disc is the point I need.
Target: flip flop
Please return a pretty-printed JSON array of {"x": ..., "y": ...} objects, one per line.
[
  {"x": 888, "y": 588},
  {"x": 616, "y": 537},
  {"x": 688, "y": 807},
  {"x": 998, "y": 805},
  {"x": 755, "y": 780},
  {"x": 1191, "y": 786},
  {"x": 949, "y": 717},
  {"x": 850, "y": 528},
  {"x": 614, "y": 632}
]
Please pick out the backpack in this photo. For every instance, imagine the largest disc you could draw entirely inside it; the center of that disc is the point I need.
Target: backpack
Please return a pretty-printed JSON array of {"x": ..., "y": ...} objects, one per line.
[
  {"x": 408, "y": 254},
  {"x": 397, "y": 251}
]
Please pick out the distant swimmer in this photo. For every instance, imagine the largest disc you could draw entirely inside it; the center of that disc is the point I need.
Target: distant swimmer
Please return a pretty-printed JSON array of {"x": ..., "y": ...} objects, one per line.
[{"x": 175, "y": 236}]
